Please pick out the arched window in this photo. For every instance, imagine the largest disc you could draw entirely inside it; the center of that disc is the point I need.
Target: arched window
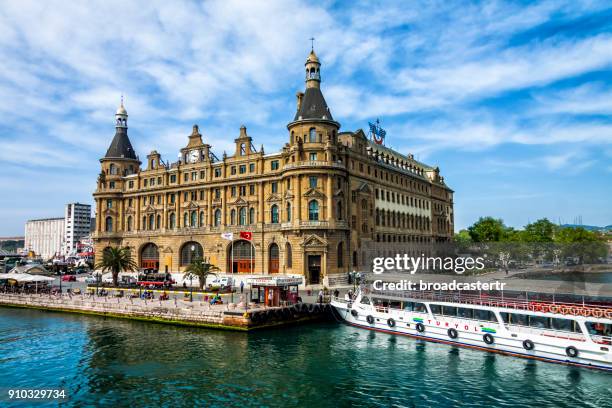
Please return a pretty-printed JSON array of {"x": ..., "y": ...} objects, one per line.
[
  {"x": 108, "y": 224},
  {"x": 251, "y": 215},
  {"x": 273, "y": 258},
  {"x": 274, "y": 214},
  {"x": 288, "y": 255},
  {"x": 113, "y": 169},
  {"x": 340, "y": 260},
  {"x": 194, "y": 219},
  {"x": 313, "y": 210},
  {"x": 312, "y": 135},
  {"x": 151, "y": 222},
  {"x": 172, "y": 220},
  {"x": 243, "y": 216},
  {"x": 217, "y": 217},
  {"x": 191, "y": 251},
  {"x": 129, "y": 223},
  {"x": 185, "y": 220},
  {"x": 288, "y": 212},
  {"x": 158, "y": 222},
  {"x": 233, "y": 217},
  {"x": 202, "y": 219}
]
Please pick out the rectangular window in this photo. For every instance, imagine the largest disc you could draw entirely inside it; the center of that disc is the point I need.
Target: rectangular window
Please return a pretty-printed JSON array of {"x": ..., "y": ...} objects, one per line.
[
  {"x": 201, "y": 195},
  {"x": 159, "y": 199},
  {"x": 242, "y": 191},
  {"x": 242, "y": 169},
  {"x": 313, "y": 181},
  {"x": 111, "y": 184},
  {"x": 152, "y": 182},
  {"x": 251, "y": 167},
  {"x": 274, "y": 165},
  {"x": 202, "y": 174},
  {"x": 109, "y": 203},
  {"x": 217, "y": 172},
  {"x": 194, "y": 176},
  {"x": 233, "y": 190},
  {"x": 130, "y": 201},
  {"x": 313, "y": 156},
  {"x": 131, "y": 184},
  {"x": 252, "y": 189},
  {"x": 233, "y": 170},
  {"x": 159, "y": 181},
  {"x": 185, "y": 196},
  {"x": 186, "y": 177},
  {"x": 145, "y": 182},
  {"x": 217, "y": 193},
  {"x": 173, "y": 178},
  {"x": 172, "y": 198},
  {"x": 274, "y": 187}
]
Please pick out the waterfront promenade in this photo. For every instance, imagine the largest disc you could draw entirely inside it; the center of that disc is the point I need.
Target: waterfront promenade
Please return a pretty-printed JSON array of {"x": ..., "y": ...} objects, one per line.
[{"x": 177, "y": 311}]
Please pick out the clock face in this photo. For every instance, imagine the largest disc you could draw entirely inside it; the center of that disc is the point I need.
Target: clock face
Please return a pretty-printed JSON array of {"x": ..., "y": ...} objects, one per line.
[{"x": 194, "y": 155}]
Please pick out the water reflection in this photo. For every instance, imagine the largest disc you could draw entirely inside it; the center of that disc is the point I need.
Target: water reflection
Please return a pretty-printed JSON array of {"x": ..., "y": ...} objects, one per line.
[{"x": 118, "y": 363}]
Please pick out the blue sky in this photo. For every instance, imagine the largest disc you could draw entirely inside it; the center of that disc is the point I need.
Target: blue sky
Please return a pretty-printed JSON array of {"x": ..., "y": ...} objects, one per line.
[{"x": 511, "y": 99}]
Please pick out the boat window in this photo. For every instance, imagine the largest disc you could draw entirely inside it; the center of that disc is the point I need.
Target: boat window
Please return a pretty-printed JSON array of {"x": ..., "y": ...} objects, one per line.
[
  {"x": 420, "y": 307},
  {"x": 449, "y": 311},
  {"x": 515, "y": 319},
  {"x": 541, "y": 322},
  {"x": 395, "y": 304},
  {"x": 436, "y": 309},
  {"x": 465, "y": 313},
  {"x": 484, "y": 315},
  {"x": 381, "y": 302},
  {"x": 599, "y": 329},
  {"x": 365, "y": 300},
  {"x": 565, "y": 325}
]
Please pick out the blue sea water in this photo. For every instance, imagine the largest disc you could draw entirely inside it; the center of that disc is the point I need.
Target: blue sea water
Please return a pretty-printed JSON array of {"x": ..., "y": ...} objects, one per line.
[{"x": 115, "y": 363}]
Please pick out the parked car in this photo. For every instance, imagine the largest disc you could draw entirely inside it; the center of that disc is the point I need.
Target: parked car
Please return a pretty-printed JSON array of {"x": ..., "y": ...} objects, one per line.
[
  {"x": 222, "y": 282},
  {"x": 68, "y": 278},
  {"x": 91, "y": 280}
]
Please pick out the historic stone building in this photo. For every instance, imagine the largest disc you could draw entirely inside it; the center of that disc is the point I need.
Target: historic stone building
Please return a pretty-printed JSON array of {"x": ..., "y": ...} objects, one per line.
[{"x": 314, "y": 208}]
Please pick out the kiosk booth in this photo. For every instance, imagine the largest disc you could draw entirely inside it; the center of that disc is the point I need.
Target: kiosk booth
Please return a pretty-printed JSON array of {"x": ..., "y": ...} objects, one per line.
[{"x": 275, "y": 290}]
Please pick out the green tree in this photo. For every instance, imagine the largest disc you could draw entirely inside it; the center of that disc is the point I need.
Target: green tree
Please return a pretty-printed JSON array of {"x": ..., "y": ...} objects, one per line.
[
  {"x": 462, "y": 237},
  {"x": 116, "y": 259},
  {"x": 200, "y": 269},
  {"x": 487, "y": 229},
  {"x": 540, "y": 231}
]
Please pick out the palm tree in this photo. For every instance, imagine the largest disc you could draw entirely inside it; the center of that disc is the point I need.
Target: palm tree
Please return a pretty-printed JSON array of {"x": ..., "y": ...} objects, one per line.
[
  {"x": 116, "y": 259},
  {"x": 200, "y": 269}
]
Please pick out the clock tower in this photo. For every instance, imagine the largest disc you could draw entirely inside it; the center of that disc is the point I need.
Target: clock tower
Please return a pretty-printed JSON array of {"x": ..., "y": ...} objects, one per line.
[{"x": 196, "y": 150}]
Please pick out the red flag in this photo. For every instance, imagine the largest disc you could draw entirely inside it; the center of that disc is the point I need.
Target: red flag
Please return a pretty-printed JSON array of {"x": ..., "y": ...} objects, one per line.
[{"x": 246, "y": 235}]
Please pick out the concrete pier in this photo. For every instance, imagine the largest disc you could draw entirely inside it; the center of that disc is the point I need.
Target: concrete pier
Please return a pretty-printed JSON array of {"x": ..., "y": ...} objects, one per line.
[{"x": 178, "y": 312}]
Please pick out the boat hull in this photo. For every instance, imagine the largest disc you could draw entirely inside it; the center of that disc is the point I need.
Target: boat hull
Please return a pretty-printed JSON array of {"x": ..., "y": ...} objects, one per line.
[{"x": 471, "y": 339}]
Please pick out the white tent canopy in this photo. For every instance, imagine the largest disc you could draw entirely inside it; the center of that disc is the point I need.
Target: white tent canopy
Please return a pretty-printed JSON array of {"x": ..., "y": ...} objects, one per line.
[{"x": 25, "y": 277}]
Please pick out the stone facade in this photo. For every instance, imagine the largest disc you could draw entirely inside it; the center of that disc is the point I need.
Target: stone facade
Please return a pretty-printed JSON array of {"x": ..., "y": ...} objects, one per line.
[{"x": 312, "y": 208}]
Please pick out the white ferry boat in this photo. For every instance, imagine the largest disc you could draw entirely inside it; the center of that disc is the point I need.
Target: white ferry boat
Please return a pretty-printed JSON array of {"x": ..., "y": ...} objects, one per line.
[{"x": 568, "y": 333}]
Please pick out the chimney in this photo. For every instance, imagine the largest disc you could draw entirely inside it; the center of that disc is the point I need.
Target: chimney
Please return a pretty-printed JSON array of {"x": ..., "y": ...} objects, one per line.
[{"x": 300, "y": 96}]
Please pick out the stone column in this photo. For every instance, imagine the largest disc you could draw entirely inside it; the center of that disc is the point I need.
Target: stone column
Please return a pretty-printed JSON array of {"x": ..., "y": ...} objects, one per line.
[{"x": 330, "y": 195}]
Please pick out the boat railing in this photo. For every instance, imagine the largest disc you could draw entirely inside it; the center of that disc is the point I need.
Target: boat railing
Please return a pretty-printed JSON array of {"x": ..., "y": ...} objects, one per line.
[
  {"x": 560, "y": 334},
  {"x": 606, "y": 340},
  {"x": 578, "y": 309}
]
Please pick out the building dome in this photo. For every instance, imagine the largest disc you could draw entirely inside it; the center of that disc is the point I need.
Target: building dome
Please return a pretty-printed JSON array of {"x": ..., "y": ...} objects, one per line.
[
  {"x": 312, "y": 57},
  {"x": 121, "y": 110}
]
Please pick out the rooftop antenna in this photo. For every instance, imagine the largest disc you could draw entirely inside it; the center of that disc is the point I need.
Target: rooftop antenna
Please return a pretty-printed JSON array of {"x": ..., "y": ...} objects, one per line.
[{"x": 311, "y": 43}]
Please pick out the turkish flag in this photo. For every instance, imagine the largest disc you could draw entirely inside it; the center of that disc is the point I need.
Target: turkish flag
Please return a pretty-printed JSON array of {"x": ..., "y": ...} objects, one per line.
[{"x": 246, "y": 235}]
